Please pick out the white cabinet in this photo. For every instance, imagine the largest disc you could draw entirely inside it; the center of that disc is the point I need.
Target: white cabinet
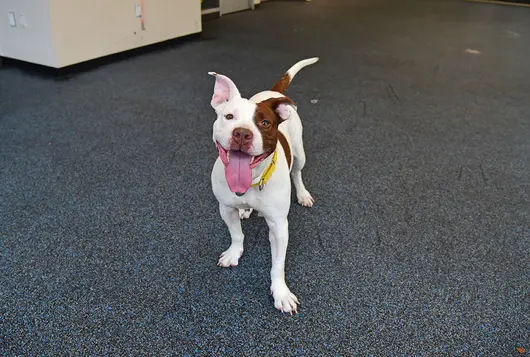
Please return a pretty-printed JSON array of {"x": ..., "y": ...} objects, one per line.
[
  {"x": 228, "y": 6},
  {"x": 58, "y": 33}
]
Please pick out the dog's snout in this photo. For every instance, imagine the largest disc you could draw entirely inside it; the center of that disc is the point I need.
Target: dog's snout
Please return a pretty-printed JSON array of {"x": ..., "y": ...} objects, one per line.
[{"x": 242, "y": 136}]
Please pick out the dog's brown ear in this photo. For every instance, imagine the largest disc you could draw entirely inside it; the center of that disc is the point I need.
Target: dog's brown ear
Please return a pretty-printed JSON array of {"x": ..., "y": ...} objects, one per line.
[{"x": 282, "y": 106}]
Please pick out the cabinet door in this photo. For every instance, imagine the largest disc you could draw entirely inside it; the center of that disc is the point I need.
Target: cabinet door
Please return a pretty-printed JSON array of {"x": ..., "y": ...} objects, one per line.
[{"x": 228, "y": 6}]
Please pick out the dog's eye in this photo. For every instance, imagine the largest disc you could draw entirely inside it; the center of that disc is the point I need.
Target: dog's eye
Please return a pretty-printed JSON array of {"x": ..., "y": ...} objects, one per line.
[
  {"x": 229, "y": 116},
  {"x": 265, "y": 122}
]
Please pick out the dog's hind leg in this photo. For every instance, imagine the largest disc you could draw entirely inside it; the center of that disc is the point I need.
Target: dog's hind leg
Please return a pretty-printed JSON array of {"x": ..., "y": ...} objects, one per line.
[
  {"x": 302, "y": 194},
  {"x": 245, "y": 213}
]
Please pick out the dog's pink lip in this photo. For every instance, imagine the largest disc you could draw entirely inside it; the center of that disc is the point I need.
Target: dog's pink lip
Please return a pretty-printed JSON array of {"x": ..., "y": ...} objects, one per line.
[
  {"x": 225, "y": 156},
  {"x": 223, "y": 153},
  {"x": 256, "y": 160}
]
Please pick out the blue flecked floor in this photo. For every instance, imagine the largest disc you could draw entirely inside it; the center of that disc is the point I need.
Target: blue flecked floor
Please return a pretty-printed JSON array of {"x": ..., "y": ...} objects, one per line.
[{"x": 418, "y": 157}]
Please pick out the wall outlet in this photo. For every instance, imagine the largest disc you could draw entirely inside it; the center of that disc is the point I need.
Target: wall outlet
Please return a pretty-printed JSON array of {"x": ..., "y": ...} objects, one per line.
[
  {"x": 12, "y": 19},
  {"x": 23, "y": 21},
  {"x": 138, "y": 10}
]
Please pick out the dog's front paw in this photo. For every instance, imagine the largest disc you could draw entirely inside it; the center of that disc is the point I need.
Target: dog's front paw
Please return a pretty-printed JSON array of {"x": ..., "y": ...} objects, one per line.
[
  {"x": 305, "y": 199},
  {"x": 245, "y": 213},
  {"x": 230, "y": 257},
  {"x": 284, "y": 299}
]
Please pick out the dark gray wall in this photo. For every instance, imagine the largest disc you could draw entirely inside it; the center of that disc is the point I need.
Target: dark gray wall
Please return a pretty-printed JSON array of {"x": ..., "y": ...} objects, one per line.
[{"x": 208, "y": 4}]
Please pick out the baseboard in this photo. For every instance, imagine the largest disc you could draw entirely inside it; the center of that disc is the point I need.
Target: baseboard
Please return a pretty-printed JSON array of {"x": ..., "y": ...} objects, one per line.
[
  {"x": 72, "y": 70},
  {"x": 211, "y": 15}
]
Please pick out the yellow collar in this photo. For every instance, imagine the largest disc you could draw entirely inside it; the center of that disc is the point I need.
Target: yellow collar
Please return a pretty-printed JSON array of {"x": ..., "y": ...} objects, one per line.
[{"x": 268, "y": 172}]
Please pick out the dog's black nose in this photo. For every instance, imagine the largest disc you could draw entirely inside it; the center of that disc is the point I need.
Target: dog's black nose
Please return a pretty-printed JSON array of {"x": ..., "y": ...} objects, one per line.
[{"x": 239, "y": 194}]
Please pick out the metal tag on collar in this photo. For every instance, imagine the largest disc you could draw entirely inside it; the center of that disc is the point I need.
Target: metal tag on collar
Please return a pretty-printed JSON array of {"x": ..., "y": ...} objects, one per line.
[{"x": 261, "y": 184}]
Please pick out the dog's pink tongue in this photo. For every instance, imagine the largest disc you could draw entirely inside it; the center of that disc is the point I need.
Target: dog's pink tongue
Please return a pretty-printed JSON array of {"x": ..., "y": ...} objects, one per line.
[{"x": 238, "y": 172}]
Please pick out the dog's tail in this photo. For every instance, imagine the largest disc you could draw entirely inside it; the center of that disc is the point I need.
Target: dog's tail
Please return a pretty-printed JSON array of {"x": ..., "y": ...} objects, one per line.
[{"x": 282, "y": 85}]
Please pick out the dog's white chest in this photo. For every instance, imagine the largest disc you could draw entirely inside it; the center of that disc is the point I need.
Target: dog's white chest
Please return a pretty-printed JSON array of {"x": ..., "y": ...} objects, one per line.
[{"x": 242, "y": 203}]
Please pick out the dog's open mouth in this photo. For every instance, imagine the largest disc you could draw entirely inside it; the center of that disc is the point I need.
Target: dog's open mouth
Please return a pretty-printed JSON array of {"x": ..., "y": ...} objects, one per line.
[{"x": 238, "y": 168}]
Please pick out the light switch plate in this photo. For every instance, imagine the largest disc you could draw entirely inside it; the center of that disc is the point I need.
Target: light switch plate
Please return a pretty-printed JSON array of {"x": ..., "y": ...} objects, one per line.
[
  {"x": 12, "y": 19},
  {"x": 23, "y": 20}
]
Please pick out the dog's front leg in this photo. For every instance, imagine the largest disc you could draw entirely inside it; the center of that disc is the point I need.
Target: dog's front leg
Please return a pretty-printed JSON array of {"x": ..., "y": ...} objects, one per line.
[
  {"x": 231, "y": 217},
  {"x": 284, "y": 300}
]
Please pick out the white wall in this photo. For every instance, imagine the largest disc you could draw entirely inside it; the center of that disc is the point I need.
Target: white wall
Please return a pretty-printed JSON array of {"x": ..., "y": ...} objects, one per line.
[
  {"x": 65, "y": 32},
  {"x": 34, "y": 43}
]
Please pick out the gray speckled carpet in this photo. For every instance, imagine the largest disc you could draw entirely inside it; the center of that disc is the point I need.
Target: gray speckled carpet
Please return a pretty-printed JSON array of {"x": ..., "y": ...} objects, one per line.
[{"x": 418, "y": 157}]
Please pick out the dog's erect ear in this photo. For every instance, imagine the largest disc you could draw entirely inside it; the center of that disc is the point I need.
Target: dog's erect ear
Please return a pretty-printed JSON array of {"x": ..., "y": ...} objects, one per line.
[
  {"x": 224, "y": 90},
  {"x": 282, "y": 106}
]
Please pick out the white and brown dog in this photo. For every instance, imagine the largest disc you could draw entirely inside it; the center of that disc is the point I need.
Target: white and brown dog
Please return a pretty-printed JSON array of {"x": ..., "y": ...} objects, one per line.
[{"x": 260, "y": 143}]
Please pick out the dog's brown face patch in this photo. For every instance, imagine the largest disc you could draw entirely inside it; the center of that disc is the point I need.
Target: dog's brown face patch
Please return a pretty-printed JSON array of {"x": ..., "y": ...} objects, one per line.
[{"x": 267, "y": 121}]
